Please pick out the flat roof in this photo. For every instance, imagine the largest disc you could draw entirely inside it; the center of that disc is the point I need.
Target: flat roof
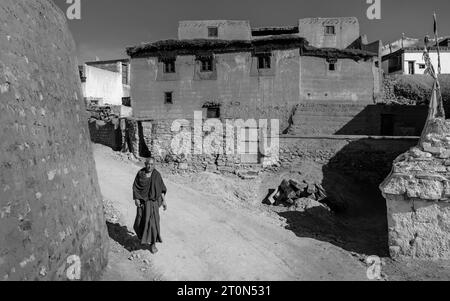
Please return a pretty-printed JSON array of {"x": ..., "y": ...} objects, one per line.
[
  {"x": 108, "y": 62},
  {"x": 279, "y": 42}
]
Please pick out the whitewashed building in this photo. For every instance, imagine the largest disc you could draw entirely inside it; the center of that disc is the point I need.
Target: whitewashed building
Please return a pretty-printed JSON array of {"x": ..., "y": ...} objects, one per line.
[
  {"x": 106, "y": 82},
  {"x": 405, "y": 56}
]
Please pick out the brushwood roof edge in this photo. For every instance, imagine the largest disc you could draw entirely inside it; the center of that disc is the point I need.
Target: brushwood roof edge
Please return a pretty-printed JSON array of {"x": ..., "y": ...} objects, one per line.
[{"x": 280, "y": 42}]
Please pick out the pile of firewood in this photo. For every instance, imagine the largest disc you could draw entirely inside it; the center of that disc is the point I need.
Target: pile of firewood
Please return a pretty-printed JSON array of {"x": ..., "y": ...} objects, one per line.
[
  {"x": 104, "y": 113},
  {"x": 290, "y": 191}
]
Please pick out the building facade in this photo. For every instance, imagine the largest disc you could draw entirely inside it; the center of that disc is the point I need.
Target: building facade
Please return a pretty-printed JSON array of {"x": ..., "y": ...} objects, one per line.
[
  {"x": 405, "y": 56},
  {"x": 229, "y": 71},
  {"x": 106, "y": 82}
]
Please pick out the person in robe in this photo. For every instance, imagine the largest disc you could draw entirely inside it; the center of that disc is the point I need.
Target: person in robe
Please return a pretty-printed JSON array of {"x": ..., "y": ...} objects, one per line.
[{"x": 149, "y": 194}]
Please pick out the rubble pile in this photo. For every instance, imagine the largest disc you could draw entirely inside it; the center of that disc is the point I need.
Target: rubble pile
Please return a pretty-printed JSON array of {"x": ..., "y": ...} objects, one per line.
[{"x": 300, "y": 196}]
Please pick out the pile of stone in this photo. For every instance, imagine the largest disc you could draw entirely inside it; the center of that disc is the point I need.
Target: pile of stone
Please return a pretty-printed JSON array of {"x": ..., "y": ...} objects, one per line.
[{"x": 299, "y": 195}]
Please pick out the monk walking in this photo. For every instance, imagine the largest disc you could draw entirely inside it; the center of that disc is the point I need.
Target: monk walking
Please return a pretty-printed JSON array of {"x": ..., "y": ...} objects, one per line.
[{"x": 149, "y": 194}]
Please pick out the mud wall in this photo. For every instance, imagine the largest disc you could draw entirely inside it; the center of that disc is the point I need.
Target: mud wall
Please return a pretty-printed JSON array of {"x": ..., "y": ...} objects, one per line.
[
  {"x": 242, "y": 93},
  {"x": 52, "y": 225},
  {"x": 106, "y": 133},
  {"x": 227, "y": 30},
  {"x": 366, "y": 159},
  {"x": 352, "y": 82},
  {"x": 313, "y": 29},
  {"x": 327, "y": 118}
]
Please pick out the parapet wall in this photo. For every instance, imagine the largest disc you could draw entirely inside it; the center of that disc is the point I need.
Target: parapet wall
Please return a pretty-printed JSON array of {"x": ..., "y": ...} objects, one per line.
[{"x": 52, "y": 225}]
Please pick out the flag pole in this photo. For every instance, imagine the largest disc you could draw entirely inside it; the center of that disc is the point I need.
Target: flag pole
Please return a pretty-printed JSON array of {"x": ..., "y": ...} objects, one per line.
[{"x": 437, "y": 43}]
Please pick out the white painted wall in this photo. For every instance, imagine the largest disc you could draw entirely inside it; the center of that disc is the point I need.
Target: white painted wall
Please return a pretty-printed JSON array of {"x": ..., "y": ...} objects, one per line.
[
  {"x": 418, "y": 58},
  {"x": 104, "y": 84}
]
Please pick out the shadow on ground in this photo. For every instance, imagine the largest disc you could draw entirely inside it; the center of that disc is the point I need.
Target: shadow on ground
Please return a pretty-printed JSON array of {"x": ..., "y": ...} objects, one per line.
[
  {"x": 362, "y": 236},
  {"x": 358, "y": 221},
  {"x": 124, "y": 237}
]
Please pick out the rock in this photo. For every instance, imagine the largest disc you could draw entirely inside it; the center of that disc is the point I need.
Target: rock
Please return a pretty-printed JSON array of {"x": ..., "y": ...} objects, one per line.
[
  {"x": 285, "y": 186},
  {"x": 146, "y": 261},
  {"x": 272, "y": 197},
  {"x": 321, "y": 193},
  {"x": 417, "y": 153},
  {"x": 312, "y": 189},
  {"x": 306, "y": 204},
  {"x": 211, "y": 168},
  {"x": 432, "y": 150},
  {"x": 297, "y": 185},
  {"x": 43, "y": 272},
  {"x": 247, "y": 174},
  {"x": 183, "y": 166}
]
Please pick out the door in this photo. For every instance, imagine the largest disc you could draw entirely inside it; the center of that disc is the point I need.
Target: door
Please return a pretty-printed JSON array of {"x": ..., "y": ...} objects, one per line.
[
  {"x": 387, "y": 125},
  {"x": 249, "y": 146},
  {"x": 411, "y": 67}
]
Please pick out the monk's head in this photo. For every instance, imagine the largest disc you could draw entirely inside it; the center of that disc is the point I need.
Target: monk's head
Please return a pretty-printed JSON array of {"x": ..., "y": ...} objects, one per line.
[{"x": 149, "y": 165}]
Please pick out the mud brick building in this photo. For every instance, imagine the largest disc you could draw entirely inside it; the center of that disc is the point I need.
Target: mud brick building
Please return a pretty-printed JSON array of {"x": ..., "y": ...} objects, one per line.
[{"x": 229, "y": 71}]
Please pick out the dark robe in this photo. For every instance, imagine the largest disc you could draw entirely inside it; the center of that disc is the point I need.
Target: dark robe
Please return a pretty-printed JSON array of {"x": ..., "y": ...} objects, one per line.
[{"x": 149, "y": 191}]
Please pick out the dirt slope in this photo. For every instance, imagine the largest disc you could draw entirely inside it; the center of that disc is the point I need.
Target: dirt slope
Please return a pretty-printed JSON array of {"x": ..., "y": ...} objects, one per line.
[{"x": 207, "y": 240}]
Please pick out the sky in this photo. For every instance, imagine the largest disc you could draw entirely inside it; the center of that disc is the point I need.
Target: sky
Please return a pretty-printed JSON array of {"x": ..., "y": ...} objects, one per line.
[{"x": 107, "y": 27}]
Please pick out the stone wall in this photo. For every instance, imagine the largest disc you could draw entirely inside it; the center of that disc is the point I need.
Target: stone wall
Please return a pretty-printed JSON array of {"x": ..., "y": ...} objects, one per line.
[
  {"x": 107, "y": 133},
  {"x": 51, "y": 217},
  {"x": 417, "y": 194},
  {"x": 369, "y": 159},
  {"x": 366, "y": 159}
]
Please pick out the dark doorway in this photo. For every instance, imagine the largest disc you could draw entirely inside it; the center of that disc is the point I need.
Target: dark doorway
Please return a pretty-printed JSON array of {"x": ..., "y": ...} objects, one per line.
[
  {"x": 387, "y": 125},
  {"x": 143, "y": 148},
  {"x": 411, "y": 67}
]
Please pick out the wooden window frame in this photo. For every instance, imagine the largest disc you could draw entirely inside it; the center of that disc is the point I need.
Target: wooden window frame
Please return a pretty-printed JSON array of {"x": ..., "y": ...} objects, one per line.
[
  {"x": 333, "y": 31},
  {"x": 264, "y": 61},
  {"x": 213, "y": 32},
  {"x": 168, "y": 98},
  {"x": 169, "y": 66}
]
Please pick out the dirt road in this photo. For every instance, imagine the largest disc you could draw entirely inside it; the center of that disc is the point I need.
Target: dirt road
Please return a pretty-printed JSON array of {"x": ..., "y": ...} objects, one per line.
[{"x": 206, "y": 240}]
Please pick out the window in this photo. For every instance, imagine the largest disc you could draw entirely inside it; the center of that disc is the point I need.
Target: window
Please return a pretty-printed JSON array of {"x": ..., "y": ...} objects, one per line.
[
  {"x": 213, "y": 112},
  {"x": 422, "y": 66},
  {"x": 126, "y": 101},
  {"x": 82, "y": 74},
  {"x": 330, "y": 30},
  {"x": 332, "y": 64},
  {"x": 168, "y": 97},
  {"x": 125, "y": 74},
  {"x": 169, "y": 66},
  {"x": 206, "y": 65},
  {"x": 264, "y": 61},
  {"x": 395, "y": 64},
  {"x": 213, "y": 32}
]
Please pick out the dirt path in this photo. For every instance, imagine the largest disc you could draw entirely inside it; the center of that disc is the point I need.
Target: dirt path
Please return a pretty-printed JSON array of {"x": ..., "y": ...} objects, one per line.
[{"x": 206, "y": 240}]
